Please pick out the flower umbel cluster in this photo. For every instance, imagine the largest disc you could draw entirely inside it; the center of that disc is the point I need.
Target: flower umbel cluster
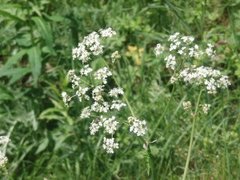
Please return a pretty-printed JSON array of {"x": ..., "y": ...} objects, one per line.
[
  {"x": 180, "y": 54},
  {"x": 91, "y": 86}
]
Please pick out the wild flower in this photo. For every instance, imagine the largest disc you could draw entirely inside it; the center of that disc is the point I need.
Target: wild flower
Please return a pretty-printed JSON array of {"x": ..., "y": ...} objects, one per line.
[
  {"x": 86, "y": 70},
  {"x": 180, "y": 55},
  {"x": 109, "y": 145},
  {"x": 102, "y": 74},
  {"x": 95, "y": 126},
  {"x": 115, "y": 92},
  {"x": 114, "y": 56},
  {"x": 207, "y": 77},
  {"x": 110, "y": 124},
  {"x": 187, "y": 105},
  {"x": 158, "y": 49},
  {"x": 117, "y": 105},
  {"x": 137, "y": 127},
  {"x": 4, "y": 140},
  {"x": 91, "y": 86},
  {"x": 86, "y": 113},
  {"x": 205, "y": 108}
]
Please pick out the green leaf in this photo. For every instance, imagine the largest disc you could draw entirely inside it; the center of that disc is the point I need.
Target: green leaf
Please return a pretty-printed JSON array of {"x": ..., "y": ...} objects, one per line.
[
  {"x": 15, "y": 58},
  {"x": 35, "y": 59},
  {"x": 12, "y": 16},
  {"x": 5, "y": 94},
  {"x": 42, "y": 146},
  {"x": 45, "y": 31},
  {"x": 14, "y": 73},
  {"x": 18, "y": 74}
]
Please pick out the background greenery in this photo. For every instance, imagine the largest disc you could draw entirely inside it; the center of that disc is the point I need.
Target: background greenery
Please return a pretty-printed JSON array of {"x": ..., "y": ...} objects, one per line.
[{"x": 49, "y": 140}]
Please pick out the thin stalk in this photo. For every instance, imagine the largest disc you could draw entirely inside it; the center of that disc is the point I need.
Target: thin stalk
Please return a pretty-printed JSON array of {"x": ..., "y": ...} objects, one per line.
[
  {"x": 191, "y": 138},
  {"x": 124, "y": 96},
  {"x": 189, "y": 149}
]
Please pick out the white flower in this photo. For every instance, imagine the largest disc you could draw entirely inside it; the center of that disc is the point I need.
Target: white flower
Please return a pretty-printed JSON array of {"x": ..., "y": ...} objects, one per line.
[
  {"x": 209, "y": 50},
  {"x": 174, "y": 37},
  {"x": 75, "y": 80},
  {"x": 136, "y": 126},
  {"x": 81, "y": 93},
  {"x": 224, "y": 82},
  {"x": 211, "y": 86},
  {"x": 97, "y": 93},
  {"x": 187, "y": 39},
  {"x": 86, "y": 113},
  {"x": 66, "y": 98},
  {"x": 108, "y": 32},
  {"x": 173, "y": 46},
  {"x": 170, "y": 62},
  {"x": 4, "y": 140},
  {"x": 86, "y": 70},
  {"x": 115, "y": 92},
  {"x": 102, "y": 74},
  {"x": 110, "y": 124},
  {"x": 205, "y": 108},
  {"x": 93, "y": 42},
  {"x": 95, "y": 126},
  {"x": 115, "y": 55},
  {"x": 117, "y": 104},
  {"x": 97, "y": 107},
  {"x": 81, "y": 53},
  {"x": 173, "y": 79},
  {"x": 206, "y": 76},
  {"x": 158, "y": 49},
  {"x": 187, "y": 105},
  {"x": 109, "y": 145}
]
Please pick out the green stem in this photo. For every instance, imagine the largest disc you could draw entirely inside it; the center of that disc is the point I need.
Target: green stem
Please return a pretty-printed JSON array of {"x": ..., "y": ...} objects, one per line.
[
  {"x": 189, "y": 150},
  {"x": 124, "y": 96},
  {"x": 191, "y": 138}
]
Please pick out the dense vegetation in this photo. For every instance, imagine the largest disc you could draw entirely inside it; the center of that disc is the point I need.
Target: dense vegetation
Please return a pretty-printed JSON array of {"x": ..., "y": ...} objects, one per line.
[{"x": 49, "y": 140}]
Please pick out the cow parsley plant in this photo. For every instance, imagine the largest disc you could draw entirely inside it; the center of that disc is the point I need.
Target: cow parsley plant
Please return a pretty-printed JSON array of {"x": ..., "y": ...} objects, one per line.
[{"x": 91, "y": 86}]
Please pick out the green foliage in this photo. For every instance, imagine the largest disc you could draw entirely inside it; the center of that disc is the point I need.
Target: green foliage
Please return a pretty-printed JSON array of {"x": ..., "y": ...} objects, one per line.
[{"x": 48, "y": 140}]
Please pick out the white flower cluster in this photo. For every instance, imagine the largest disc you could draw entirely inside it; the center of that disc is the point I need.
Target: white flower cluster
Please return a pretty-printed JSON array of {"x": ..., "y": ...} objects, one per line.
[
  {"x": 4, "y": 140},
  {"x": 137, "y": 126},
  {"x": 210, "y": 78},
  {"x": 102, "y": 74},
  {"x": 3, "y": 143},
  {"x": 158, "y": 50},
  {"x": 109, "y": 145},
  {"x": 91, "y": 45},
  {"x": 181, "y": 54},
  {"x": 205, "y": 108},
  {"x": 91, "y": 86},
  {"x": 187, "y": 105},
  {"x": 109, "y": 125},
  {"x": 114, "y": 56},
  {"x": 115, "y": 92},
  {"x": 108, "y": 32}
]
